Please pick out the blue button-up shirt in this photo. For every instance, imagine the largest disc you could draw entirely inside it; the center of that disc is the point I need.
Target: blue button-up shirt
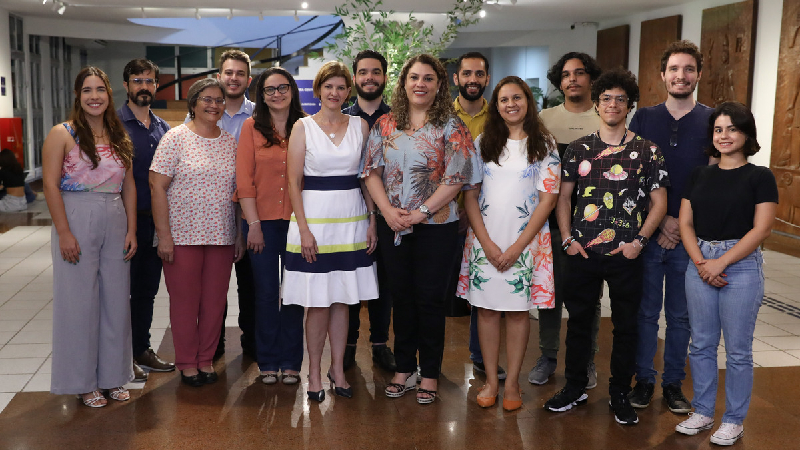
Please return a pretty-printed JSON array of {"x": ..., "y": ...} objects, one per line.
[
  {"x": 145, "y": 141},
  {"x": 233, "y": 123}
]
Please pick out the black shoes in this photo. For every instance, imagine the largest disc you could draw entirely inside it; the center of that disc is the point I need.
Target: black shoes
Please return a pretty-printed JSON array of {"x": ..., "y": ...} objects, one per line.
[
  {"x": 623, "y": 410},
  {"x": 349, "y": 357},
  {"x": 675, "y": 399},
  {"x": 340, "y": 391},
  {"x": 318, "y": 396},
  {"x": 194, "y": 380},
  {"x": 566, "y": 399},
  {"x": 480, "y": 368},
  {"x": 209, "y": 377},
  {"x": 382, "y": 356},
  {"x": 641, "y": 394}
]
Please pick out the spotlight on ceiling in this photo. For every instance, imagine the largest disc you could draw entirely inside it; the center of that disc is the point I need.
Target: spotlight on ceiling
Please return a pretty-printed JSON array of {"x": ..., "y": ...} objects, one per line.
[
  {"x": 304, "y": 5},
  {"x": 144, "y": 16},
  {"x": 230, "y": 14},
  {"x": 197, "y": 13},
  {"x": 261, "y": 15},
  {"x": 62, "y": 8},
  {"x": 296, "y": 18},
  {"x": 482, "y": 14}
]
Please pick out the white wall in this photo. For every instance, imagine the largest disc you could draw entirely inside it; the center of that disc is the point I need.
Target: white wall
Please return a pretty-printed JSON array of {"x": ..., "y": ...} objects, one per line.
[
  {"x": 767, "y": 43},
  {"x": 7, "y": 101}
]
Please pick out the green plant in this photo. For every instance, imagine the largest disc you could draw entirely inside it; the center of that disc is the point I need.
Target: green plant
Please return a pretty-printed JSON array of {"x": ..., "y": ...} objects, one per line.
[{"x": 372, "y": 29}]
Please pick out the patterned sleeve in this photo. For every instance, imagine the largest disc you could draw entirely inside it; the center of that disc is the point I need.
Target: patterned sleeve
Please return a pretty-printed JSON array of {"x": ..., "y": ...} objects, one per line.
[
  {"x": 481, "y": 167},
  {"x": 167, "y": 156},
  {"x": 569, "y": 165},
  {"x": 549, "y": 177},
  {"x": 460, "y": 159},
  {"x": 656, "y": 171},
  {"x": 372, "y": 153}
]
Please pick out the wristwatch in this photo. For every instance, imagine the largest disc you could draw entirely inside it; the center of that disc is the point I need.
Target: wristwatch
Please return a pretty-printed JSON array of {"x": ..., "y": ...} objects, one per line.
[
  {"x": 424, "y": 210},
  {"x": 642, "y": 240}
]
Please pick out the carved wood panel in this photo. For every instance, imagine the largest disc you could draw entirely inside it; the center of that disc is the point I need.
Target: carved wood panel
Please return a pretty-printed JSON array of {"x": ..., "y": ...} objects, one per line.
[
  {"x": 657, "y": 34},
  {"x": 785, "y": 157},
  {"x": 728, "y": 44},
  {"x": 612, "y": 47}
]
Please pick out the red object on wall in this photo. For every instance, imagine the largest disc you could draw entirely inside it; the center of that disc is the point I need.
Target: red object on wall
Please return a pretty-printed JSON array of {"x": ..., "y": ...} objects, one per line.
[{"x": 11, "y": 137}]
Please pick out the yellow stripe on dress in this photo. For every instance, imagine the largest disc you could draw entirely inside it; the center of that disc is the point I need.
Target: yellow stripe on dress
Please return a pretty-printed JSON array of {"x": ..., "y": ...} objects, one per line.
[
  {"x": 333, "y": 219},
  {"x": 335, "y": 248}
]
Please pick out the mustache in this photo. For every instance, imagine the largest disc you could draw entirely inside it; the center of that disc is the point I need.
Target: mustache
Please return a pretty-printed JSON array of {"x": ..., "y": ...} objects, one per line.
[{"x": 143, "y": 92}]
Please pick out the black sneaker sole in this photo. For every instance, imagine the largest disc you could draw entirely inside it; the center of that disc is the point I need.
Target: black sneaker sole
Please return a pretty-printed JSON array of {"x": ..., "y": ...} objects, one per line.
[
  {"x": 620, "y": 421},
  {"x": 581, "y": 400}
]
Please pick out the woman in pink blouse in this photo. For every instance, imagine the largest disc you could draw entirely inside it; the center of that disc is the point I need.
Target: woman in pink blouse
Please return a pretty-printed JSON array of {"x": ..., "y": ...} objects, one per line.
[
  {"x": 91, "y": 196},
  {"x": 192, "y": 179}
]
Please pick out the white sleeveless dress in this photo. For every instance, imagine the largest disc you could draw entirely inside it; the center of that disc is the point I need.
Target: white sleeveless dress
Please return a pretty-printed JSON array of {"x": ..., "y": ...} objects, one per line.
[{"x": 337, "y": 217}]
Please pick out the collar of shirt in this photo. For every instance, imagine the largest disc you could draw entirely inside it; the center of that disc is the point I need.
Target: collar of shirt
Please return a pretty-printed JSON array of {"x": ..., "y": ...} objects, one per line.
[
  {"x": 460, "y": 111},
  {"x": 355, "y": 108},
  {"x": 474, "y": 123},
  {"x": 233, "y": 124},
  {"x": 126, "y": 115}
]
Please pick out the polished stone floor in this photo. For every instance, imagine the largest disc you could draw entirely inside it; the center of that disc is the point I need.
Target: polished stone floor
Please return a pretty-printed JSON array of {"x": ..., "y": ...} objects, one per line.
[{"x": 239, "y": 412}]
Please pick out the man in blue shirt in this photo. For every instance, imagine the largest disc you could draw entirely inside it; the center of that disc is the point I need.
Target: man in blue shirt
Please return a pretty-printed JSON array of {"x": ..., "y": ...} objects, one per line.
[
  {"x": 679, "y": 127},
  {"x": 145, "y": 130},
  {"x": 369, "y": 79}
]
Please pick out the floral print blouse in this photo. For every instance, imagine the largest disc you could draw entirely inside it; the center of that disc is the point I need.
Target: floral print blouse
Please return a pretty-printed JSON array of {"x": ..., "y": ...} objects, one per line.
[{"x": 415, "y": 166}]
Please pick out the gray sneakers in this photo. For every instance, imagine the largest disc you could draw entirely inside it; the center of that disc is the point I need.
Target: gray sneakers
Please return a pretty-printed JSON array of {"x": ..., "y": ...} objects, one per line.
[{"x": 542, "y": 370}]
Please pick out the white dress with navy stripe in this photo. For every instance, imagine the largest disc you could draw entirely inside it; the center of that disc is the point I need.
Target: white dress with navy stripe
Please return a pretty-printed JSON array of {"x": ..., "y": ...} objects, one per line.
[{"x": 337, "y": 217}]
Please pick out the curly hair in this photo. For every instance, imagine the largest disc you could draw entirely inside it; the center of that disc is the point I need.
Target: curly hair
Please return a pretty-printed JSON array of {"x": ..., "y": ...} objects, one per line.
[
  {"x": 742, "y": 119},
  {"x": 261, "y": 115},
  {"x": 495, "y": 132},
  {"x": 616, "y": 78},
  {"x": 683, "y": 46},
  {"x": 117, "y": 136},
  {"x": 442, "y": 108},
  {"x": 591, "y": 66}
]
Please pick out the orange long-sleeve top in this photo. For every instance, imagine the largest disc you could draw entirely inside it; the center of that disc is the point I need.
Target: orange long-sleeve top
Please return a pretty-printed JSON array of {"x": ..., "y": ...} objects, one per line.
[{"x": 261, "y": 173}]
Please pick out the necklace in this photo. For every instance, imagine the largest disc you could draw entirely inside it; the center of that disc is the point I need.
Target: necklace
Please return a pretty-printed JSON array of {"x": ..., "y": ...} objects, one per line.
[
  {"x": 415, "y": 128},
  {"x": 336, "y": 126}
]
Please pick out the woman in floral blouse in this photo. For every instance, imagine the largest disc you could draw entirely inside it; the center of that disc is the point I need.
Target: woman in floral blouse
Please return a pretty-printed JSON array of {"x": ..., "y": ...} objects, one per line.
[
  {"x": 508, "y": 257},
  {"x": 416, "y": 160}
]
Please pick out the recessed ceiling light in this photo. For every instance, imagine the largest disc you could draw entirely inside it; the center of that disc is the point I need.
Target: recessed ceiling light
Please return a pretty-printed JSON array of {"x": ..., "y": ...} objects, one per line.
[
  {"x": 304, "y": 5},
  {"x": 482, "y": 14}
]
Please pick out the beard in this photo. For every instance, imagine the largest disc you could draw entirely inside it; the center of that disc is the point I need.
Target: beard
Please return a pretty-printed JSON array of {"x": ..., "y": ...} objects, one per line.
[
  {"x": 142, "y": 97},
  {"x": 369, "y": 96},
  {"x": 462, "y": 89},
  {"x": 681, "y": 95}
]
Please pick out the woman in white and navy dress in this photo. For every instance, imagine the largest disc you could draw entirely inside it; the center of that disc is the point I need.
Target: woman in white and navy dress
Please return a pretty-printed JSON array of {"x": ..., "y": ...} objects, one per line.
[{"x": 332, "y": 232}]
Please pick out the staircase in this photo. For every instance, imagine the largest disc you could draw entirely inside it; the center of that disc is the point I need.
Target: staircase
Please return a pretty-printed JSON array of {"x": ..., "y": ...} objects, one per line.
[{"x": 174, "y": 113}]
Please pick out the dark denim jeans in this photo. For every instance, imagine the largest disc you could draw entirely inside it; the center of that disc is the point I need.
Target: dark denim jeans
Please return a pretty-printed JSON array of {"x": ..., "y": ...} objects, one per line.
[
  {"x": 278, "y": 328},
  {"x": 145, "y": 278}
]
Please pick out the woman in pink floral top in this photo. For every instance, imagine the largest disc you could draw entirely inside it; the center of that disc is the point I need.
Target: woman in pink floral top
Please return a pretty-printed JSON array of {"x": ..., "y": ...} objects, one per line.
[
  {"x": 92, "y": 198},
  {"x": 192, "y": 180},
  {"x": 416, "y": 160}
]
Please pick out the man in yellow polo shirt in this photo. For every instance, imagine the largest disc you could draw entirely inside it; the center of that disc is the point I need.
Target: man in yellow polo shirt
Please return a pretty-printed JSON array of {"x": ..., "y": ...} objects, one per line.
[{"x": 472, "y": 78}]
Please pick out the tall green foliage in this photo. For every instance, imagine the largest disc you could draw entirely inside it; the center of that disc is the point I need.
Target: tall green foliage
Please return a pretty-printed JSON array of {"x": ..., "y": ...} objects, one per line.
[{"x": 371, "y": 29}]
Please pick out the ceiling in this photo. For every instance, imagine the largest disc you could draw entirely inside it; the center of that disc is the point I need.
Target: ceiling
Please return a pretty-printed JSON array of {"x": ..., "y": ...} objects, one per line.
[{"x": 500, "y": 14}]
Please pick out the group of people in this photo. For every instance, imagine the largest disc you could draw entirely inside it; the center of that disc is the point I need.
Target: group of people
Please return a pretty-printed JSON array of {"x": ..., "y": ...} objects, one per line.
[{"x": 512, "y": 208}]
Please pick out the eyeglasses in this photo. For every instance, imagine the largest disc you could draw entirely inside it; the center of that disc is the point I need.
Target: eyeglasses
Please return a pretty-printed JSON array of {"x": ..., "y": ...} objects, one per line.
[
  {"x": 211, "y": 100},
  {"x": 143, "y": 81},
  {"x": 269, "y": 91},
  {"x": 673, "y": 139},
  {"x": 606, "y": 99}
]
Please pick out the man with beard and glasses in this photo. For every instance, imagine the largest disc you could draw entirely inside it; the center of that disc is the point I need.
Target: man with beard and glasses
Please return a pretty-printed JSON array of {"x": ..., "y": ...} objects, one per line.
[
  {"x": 145, "y": 130},
  {"x": 679, "y": 127},
  {"x": 369, "y": 79},
  {"x": 573, "y": 75},
  {"x": 472, "y": 77}
]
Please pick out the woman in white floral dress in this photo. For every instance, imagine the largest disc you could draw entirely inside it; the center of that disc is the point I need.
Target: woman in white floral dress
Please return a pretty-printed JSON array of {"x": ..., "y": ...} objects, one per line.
[{"x": 508, "y": 257}]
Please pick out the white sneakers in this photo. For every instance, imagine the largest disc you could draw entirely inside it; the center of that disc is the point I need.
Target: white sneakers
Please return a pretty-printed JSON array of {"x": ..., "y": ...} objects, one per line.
[{"x": 726, "y": 434}]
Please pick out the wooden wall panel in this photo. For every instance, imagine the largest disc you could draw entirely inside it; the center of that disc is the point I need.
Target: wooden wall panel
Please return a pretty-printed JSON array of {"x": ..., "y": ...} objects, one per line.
[
  {"x": 612, "y": 47},
  {"x": 728, "y": 44},
  {"x": 785, "y": 157},
  {"x": 657, "y": 34}
]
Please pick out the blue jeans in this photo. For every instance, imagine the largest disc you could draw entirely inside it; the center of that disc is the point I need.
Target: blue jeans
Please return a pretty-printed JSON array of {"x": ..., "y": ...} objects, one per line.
[
  {"x": 279, "y": 328},
  {"x": 663, "y": 281},
  {"x": 731, "y": 309},
  {"x": 145, "y": 278}
]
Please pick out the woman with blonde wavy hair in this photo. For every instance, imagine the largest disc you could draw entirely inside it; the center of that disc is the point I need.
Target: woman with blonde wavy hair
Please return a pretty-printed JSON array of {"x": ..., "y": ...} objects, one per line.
[
  {"x": 416, "y": 160},
  {"x": 92, "y": 199}
]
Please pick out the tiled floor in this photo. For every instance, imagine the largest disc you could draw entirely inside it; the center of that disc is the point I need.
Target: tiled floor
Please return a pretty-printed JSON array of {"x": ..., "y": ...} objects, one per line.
[{"x": 240, "y": 402}]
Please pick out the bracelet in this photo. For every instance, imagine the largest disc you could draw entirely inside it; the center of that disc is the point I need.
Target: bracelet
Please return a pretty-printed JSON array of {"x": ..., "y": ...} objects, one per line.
[
  {"x": 374, "y": 212},
  {"x": 250, "y": 224},
  {"x": 567, "y": 242}
]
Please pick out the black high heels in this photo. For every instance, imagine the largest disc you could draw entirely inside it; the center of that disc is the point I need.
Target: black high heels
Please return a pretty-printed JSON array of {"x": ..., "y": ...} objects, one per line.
[
  {"x": 318, "y": 396},
  {"x": 340, "y": 391}
]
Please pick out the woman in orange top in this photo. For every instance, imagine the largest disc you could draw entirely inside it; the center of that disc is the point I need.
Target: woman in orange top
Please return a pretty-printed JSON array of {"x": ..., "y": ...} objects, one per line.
[{"x": 266, "y": 209}]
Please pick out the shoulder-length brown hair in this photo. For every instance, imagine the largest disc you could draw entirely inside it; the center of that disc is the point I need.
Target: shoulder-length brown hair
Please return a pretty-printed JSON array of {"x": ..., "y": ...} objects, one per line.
[
  {"x": 120, "y": 142},
  {"x": 442, "y": 109},
  {"x": 495, "y": 132}
]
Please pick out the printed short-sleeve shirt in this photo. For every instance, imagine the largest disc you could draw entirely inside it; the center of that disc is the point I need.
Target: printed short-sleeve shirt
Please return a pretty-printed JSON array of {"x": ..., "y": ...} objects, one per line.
[
  {"x": 201, "y": 211},
  {"x": 415, "y": 166},
  {"x": 612, "y": 183}
]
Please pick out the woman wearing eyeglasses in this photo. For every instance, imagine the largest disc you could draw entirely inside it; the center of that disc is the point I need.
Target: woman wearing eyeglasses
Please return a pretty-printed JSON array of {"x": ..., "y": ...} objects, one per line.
[
  {"x": 266, "y": 209},
  {"x": 192, "y": 180}
]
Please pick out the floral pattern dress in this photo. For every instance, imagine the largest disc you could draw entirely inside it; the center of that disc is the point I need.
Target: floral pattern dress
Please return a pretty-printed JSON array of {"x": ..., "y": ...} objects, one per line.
[{"x": 509, "y": 195}]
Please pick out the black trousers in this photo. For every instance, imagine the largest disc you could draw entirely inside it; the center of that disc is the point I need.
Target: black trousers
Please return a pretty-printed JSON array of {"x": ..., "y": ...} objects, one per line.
[
  {"x": 247, "y": 304},
  {"x": 145, "y": 278},
  {"x": 417, "y": 277},
  {"x": 583, "y": 282},
  {"x": 380, "y": 311}
]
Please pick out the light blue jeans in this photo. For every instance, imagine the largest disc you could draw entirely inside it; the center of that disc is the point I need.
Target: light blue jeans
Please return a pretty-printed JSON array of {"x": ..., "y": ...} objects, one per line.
[{"x": 731, "y": 309}]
